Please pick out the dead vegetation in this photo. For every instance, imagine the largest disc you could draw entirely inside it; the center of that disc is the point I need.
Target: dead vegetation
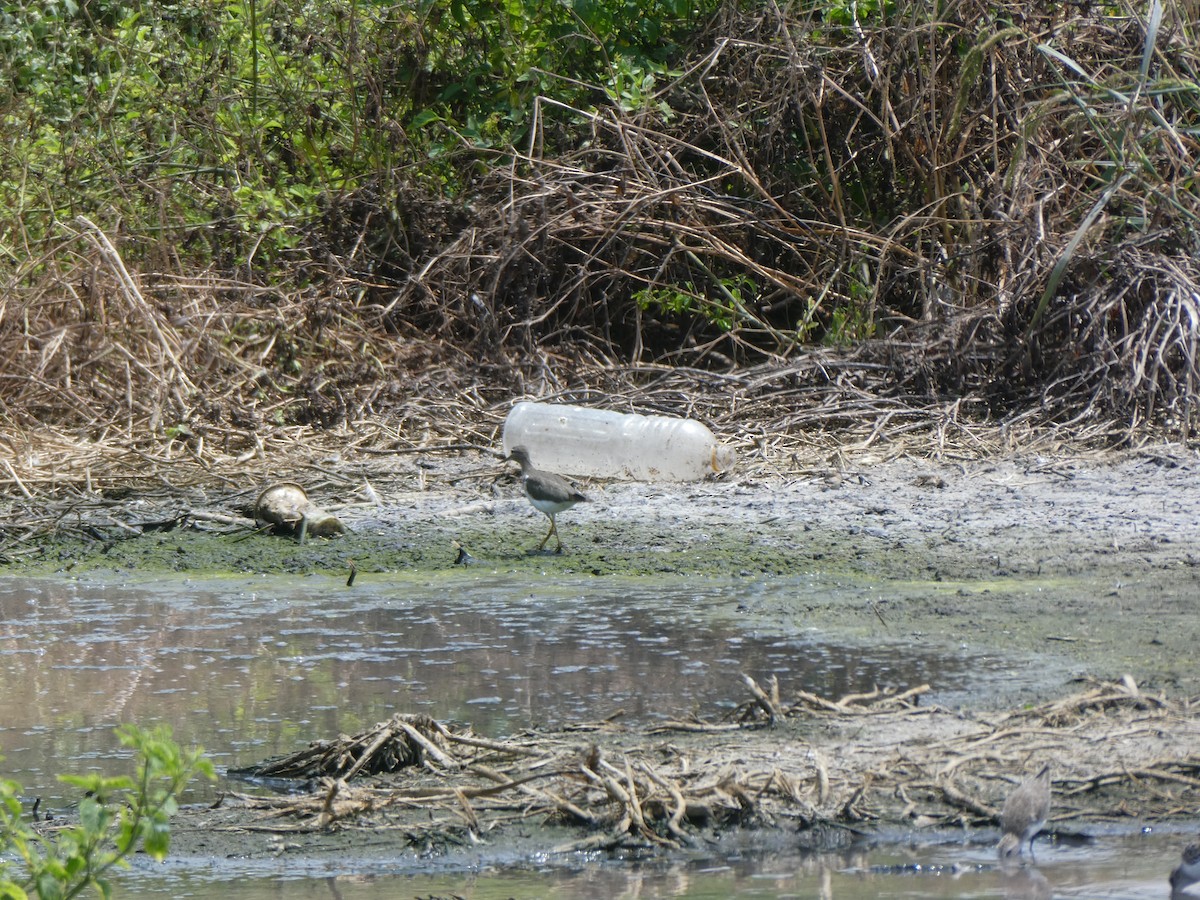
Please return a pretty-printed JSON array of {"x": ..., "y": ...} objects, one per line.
[
  {"x": 826, "y": 768},
  {"x": 886, "y": 229}
]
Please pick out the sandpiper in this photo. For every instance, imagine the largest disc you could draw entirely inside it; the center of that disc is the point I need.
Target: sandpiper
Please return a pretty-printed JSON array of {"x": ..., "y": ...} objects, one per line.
[
  {"x": 1187, "y": 873},
  {"x": 549, "y": 493},
  {"x": 1024, "y": 814}
]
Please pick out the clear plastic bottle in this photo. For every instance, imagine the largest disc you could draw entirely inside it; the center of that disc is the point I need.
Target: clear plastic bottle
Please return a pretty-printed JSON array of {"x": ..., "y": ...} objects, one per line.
[{"x": 579, "y": 440}]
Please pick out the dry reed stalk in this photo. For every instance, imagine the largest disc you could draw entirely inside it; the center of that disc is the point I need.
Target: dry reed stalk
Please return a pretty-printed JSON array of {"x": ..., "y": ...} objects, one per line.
[{"x": 990, "y": 221}]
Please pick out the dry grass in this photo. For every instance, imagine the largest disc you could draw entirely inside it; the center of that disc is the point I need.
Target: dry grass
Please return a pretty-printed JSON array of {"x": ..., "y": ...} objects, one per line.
[{"x": 908, "y": 233}]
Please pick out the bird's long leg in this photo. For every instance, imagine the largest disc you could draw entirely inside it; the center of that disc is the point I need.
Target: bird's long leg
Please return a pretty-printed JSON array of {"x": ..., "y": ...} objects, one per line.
[
  {"x": 552, "y": 531},
  {"x": 554, "y": 528}
]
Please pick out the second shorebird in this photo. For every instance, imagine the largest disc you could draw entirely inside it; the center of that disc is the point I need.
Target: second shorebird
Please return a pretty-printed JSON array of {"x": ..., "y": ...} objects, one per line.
[
  {"x": 549, "y": 493},
  {"x": 1025, "y": 813},
  {"x": 1187, "y": 874}
]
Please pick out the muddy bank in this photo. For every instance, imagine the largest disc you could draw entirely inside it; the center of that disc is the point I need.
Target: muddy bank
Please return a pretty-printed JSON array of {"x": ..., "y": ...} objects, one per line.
[
  {"x": 1089, "y": 560},
  {"x": 1086, "y": 566},
  {"x": 819, "y": 774},
  {"x": 1102, "y": 515}
]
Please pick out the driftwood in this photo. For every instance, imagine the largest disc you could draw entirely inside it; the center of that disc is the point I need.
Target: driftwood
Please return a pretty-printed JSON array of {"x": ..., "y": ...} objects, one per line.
[
  {"x": 927, "y": 766},
  {"x": 398, "y": 743}
]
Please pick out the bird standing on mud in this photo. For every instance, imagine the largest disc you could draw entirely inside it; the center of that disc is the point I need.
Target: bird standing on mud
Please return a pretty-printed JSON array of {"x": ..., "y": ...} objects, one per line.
[
  {"x": 1024, "y": 814},
  {"x": 549, "y": 493}
]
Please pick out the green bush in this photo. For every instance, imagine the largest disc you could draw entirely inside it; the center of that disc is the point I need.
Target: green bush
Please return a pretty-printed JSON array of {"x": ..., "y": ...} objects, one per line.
[
  {"x": 220, "y": 132},
  {"x": 117, "y": 817}
]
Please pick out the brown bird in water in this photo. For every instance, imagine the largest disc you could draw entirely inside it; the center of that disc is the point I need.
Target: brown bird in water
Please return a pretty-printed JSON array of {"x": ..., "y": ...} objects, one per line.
[
  {"x": 1024, "y": 814},
  {"x": 549, "y": 493}
]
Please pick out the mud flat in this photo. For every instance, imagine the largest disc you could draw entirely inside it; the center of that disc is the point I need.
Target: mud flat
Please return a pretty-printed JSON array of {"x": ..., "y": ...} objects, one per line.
[
  {"x": 813, "y": 773},
  {"x": 1083, "y": 565},
  {"x": 1092, "y": 561}
]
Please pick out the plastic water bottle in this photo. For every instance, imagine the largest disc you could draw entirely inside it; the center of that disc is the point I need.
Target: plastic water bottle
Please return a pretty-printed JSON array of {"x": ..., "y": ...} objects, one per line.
[{"x": 579, "y": 440}]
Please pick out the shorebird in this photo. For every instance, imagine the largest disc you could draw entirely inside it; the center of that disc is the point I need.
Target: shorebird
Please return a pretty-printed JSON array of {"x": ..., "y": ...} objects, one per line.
[
  {"x": 1024, "y": 813},
  {"x": 549, "y": 493},
  {"x": 1187, "y": 873}
]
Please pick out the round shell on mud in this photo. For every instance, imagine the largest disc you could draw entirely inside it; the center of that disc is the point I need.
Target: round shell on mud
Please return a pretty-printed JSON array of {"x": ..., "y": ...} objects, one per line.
[{"x": 285, "y": 505}]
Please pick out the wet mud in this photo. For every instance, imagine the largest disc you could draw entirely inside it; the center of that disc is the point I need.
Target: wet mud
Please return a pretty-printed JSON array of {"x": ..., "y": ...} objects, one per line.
[
  {"x": 1095, "y": 559},
  {"x": 1085, "y": 566}
]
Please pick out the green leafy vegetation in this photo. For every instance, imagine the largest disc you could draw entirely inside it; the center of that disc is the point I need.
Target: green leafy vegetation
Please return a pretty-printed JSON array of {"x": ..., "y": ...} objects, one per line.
[
  {"x": 270, "y": 205},
  {"x": 117, "y": 817},
  {"x": 847, "y": 13},
  {"x": 220, "y": 132},
  {"x": 725, "y": 304}
]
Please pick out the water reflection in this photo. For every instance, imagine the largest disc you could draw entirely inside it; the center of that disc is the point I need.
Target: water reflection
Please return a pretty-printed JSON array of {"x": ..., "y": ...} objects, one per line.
[
  {"x": 257, "y": 668},
  {"x": 1125, "y": 867}
]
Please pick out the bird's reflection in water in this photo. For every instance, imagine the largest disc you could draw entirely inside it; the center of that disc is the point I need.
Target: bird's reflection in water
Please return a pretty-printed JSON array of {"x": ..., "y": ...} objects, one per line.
[{"x": 1023, "y": 882}]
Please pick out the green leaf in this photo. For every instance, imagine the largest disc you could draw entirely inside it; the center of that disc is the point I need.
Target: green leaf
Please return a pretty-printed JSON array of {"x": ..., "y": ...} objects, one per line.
[
  {"x": 48, "y": 887},
  {"x": 93, "y": 816},
  {"x": 156, "y": 840},
  {"x": 1060, "y": 267},
  {"x": 97, "y": 784},
  {"x": 425, "y": 117}
]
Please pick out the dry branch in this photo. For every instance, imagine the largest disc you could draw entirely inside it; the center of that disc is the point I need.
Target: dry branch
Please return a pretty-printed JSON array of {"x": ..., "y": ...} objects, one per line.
[
  {"x": 926, "y": 770},
  {"x": 887, "y": 232},
  {"x": 403, "y": 741}
]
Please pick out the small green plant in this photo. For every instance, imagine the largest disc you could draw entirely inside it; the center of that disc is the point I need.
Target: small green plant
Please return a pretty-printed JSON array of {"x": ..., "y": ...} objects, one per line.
[
  {"x": 117, "y": 817},
  {"x": 725, "y": 308},
  {"x": 847, "y": 12},
  {"x": 632, "y": 84},
  {"x": 848, "y": 325}
]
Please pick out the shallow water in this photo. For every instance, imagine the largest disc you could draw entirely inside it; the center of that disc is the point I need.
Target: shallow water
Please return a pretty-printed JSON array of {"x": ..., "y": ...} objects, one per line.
[
  {"x": 256, "y": 668},
  {"x": 252, "y": 669},
  {"x": 1120, "y": 867}
]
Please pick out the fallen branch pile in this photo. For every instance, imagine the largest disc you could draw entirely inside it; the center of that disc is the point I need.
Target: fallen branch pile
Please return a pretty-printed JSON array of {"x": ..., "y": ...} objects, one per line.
[{"x": 826, "y": 768}]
